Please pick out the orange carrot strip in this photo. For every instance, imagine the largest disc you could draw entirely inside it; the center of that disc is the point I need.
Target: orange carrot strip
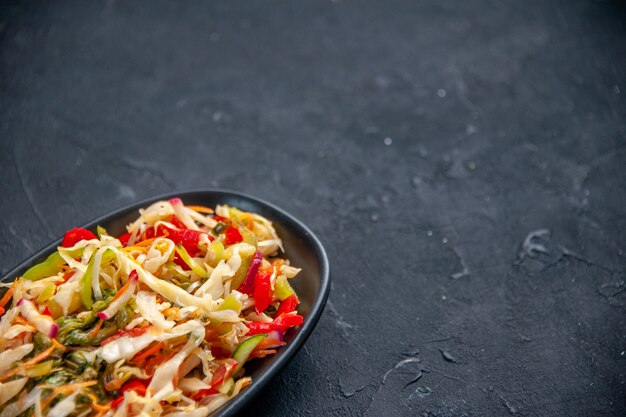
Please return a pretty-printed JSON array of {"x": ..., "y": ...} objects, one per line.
[
  {"x": 145, "y": 242},
  {"x": 201, "y": 209},
  {"x": 6, "y": 297},
  {"x": 148, "y": 352},
  {"x": 21, "y": 320},
  {"x": 96, "y": 407},
  {"x": 57, "y": 344},
  {"x": 93, "y": 332},
  {"x": 265, "y": 343},
  {"x": 261, "y": 353},
  {"x": 70, "y": 387}
]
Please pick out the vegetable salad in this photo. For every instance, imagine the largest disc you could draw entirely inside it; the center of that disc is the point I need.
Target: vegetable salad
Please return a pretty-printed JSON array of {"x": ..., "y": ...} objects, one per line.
[{"x": 159, "y": 321}]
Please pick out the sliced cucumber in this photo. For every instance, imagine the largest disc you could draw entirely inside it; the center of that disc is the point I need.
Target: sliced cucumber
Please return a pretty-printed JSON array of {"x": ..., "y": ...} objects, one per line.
[{"x": 243, "y": 351}]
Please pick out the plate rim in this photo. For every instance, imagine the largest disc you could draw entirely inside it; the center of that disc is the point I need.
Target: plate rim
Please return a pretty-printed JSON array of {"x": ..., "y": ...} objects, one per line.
[{"x": 303, "y": 333}]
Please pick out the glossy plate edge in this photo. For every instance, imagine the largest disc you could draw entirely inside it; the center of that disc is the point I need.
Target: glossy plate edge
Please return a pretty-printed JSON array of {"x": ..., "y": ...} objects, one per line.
[{"x": 288, "y": 352}]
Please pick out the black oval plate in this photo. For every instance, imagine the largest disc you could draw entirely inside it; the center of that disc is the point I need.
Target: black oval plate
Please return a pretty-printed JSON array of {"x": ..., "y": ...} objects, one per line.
[{"x": 301, "y": 247}]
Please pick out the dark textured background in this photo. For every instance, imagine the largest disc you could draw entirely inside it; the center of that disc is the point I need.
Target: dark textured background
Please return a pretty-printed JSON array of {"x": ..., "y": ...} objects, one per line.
[{"x": 503, "y": 118}]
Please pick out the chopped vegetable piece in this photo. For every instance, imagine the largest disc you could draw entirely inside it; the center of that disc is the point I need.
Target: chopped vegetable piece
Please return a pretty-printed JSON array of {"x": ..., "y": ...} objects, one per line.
[
  {"x": 245, "y": 349},
  {"x": 86, "y": 286},
  {"x": 262, "y": 291},
  {"x": 101, "y": 231},
  {"x": 195, "y": 267},
  {"x": 72, "y": 237},
  {"x": 282, "y": 288},
  {"x": 51, "y": 266},
  {"x": 232, "y": 236},
  {"x": 288, "y": 305},
  {"x": 230, "y": 303},
  {"x": 247, "y": 287},
  {"x": 283, "y": 322},
  {"x": 124, "y": 239}
]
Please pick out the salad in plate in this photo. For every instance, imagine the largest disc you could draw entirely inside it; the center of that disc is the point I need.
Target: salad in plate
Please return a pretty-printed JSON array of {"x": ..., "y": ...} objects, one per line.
[{"x": 159, "y": 321}]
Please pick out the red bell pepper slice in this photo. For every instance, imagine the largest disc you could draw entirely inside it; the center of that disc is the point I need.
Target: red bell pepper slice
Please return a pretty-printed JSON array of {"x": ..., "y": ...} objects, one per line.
[
  {"x": 138, "y": 385},
  {"x": 284, "y": 322},
  {"x": 203, "y": 393},
  {"x": 262, "y": 292},
  {"x": 232, "y": 236},
  {"x": 124, "y": 239},
  {"x": 116, "y": 402},
  {"x": 75, "y": 235},
  {"x": 174, "y": 220},
  {"x": 186, "y": 237},
  {"x": 224, "y": 372},
  {"x": 257, "y": 327},
  {"x": 288, "y": 305}
]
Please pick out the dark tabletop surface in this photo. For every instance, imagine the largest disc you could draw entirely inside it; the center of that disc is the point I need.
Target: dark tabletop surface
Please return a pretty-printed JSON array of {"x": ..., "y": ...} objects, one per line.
[{"x": 463, "y": 162}]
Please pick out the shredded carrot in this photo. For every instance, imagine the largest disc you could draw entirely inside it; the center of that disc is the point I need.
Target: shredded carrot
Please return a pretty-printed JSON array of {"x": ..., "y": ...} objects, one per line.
[
  {"x": 6, "y": 297},
  {"x": 2, "y": 310},
  {"x": 69, "y": 387},
  {"x": 46, "y": 402},
  {"x": 251, "y": 224},
  {"x": 97, "y": 407},
  {"x": 129, "y": 249},
  {"x": 65, "y": 268},
  {"x": 265, "y": 343},
  {"x": 151, "y": 350},
  {"x": 145, "y": 242},
  {"x": 122, "y": 290},
  {"x": 57, "y": 344},
  {"x": 93, "y": 332},
  {"x": 21, "y": 368},
  {"x": 66, "y": 276},
  {"x": 20, "y": 320},
  {"x": 261, "y": 353},
  {"x": 201, "y": 209}
]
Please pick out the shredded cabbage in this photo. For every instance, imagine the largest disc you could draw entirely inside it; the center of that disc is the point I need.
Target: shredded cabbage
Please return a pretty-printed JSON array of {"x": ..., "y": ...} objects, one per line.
[{"x": 96, "y": 339}]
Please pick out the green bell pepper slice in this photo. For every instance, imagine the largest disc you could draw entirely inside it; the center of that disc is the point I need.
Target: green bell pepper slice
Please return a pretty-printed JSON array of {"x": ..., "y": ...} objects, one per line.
[
  {"x": 85, "y": 282},
  {"x": 230, "y": 303},
  {"x": 282, "y": 288},
  {"x": 195, "y": 267},
  {"x": 51, "y": 266}
]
